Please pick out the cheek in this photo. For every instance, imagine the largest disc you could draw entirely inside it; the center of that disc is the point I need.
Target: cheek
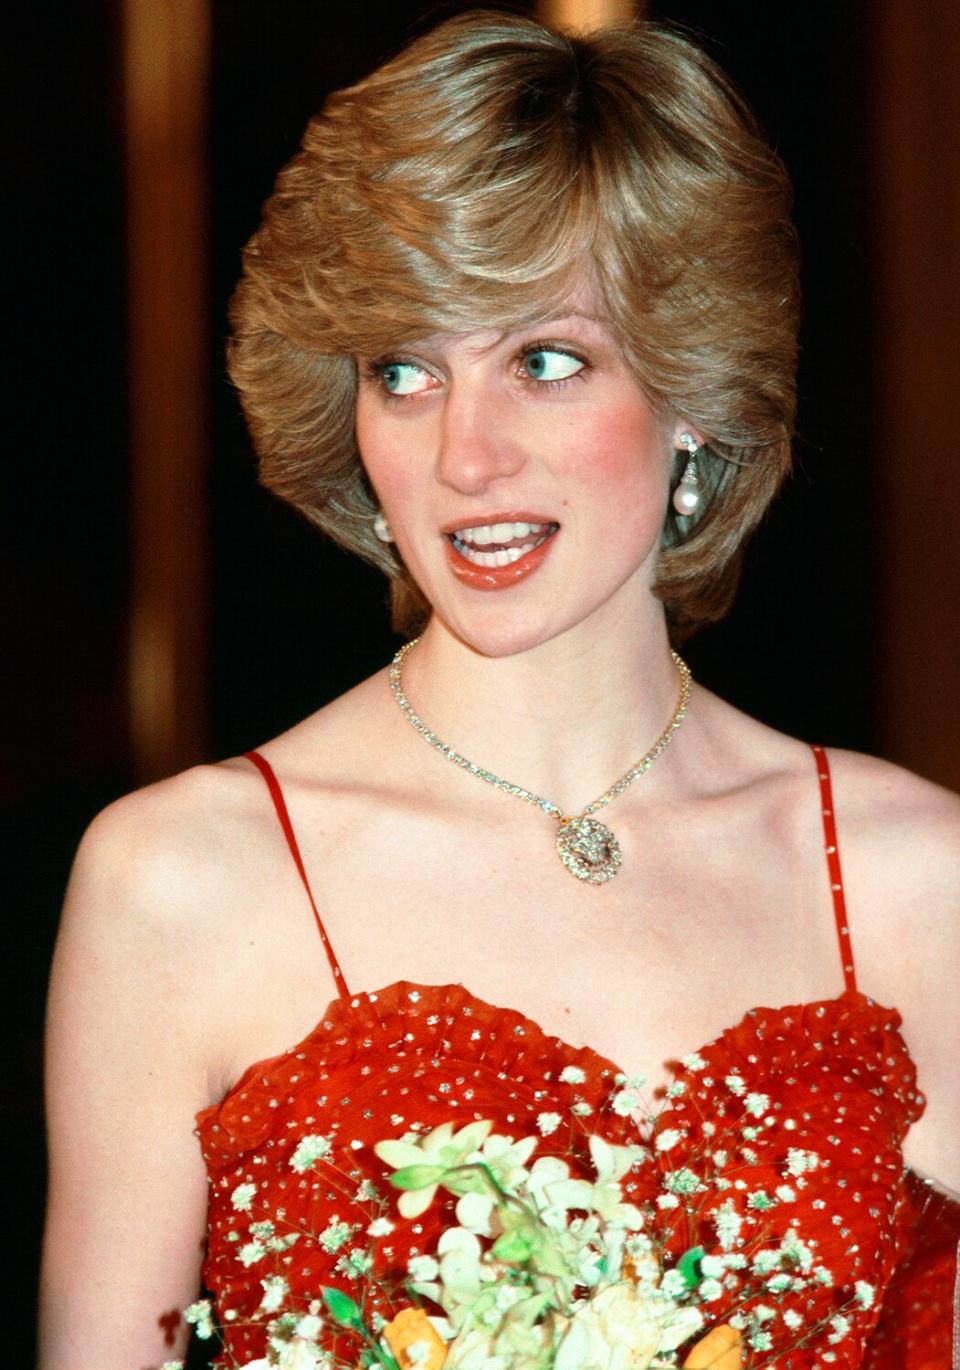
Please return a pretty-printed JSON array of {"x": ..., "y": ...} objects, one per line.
[
  {"x": 377, "y": 452},
  {"x": 626, "y": 450}
]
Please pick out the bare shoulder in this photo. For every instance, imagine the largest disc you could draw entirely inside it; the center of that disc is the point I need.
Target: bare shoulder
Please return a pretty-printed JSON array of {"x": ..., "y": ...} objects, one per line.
[
  {"x": 161, "y": 851},
  {"x": 900, "y": 834},
  {"x": 183, "y": 847},
  {"x": 900, "y": 843}
]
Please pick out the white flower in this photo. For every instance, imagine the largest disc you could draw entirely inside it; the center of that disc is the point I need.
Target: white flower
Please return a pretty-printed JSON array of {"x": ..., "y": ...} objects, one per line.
[
  {"x": 354, "y": 1263},
  {"x": 796, "y": 1251},
  {"x": 572, "y": 1075},
  {"x": 694, "y": 1061},
  {"x": 623, "y": 1328},
  {"x": 761, "y": 1341},
  {"x": 630, "y": 1081},
  {"x": 611, "y": 1164},
  {"x": 581, "y": 1109},
  {"x": 625, "y": 1102},
  {"x": 760, "y": 1201},
  {"x": 275, "y": 1290},
  {"x": 251, "y": 1252},
  {"x": 310, "y": 1149},
  {"x": 728, "y": 1223},
  {"x": 668, "y": 1138},
  {"x": 474, "y": 1350},
  {"x": 201, "y": 1315},
  {"x": 719, "y": 1159},
  {"x": 735, "y": 1083},
  {"x": 799, "y": 1161},
  {"x": 762, "y": 1312},
  {"x": 506, "y": 1158},
  {"x": 460, "y": 1271},
  {"x": 309, "y": 1327},
  {"x": 298, "y": 1354},
  {"x": 757, "y": 1104},
  {"x": 548, "y": 1123},
  {"x": 712, "y": 1266},
  {"x": 673, "y": 1284},
  {"x": 841, "y": 1326},
  {"x": 676, "y": 1089},
  {"x": 667, "y": 1201},
  {"x": 780, "y": 1283},
  {"x": 422, "y": 1269},
  {"x": 335, "y": 1235},
  {"x": 242, "y": 1197},
  {"x": 682, "y": 1181},
  {"x": 474, "y": 1212},
  {"x": 785, "y": 1193},
  {"x": 710, "y": 1290},
  {"x": 792, "y": 1318},
  {"x": 765, "y": 1261},
  {"x": 380, "y": 1227},
  {"x": 864, "y": 1293},
  {"x": 441, "y": 1147},
  {"x": 823, "y": 1276}
]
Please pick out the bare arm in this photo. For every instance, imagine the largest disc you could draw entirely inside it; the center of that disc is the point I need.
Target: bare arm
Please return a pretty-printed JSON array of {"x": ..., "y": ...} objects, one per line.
[
  {"x": 125, "y": 1075},
  {"x": 903, "y": 881}
]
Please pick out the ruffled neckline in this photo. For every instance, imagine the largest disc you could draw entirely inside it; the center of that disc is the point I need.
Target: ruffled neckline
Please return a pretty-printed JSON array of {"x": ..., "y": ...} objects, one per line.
[{"x": 392, "y": 1012}]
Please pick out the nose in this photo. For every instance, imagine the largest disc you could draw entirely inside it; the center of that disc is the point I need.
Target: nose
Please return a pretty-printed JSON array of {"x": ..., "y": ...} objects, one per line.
[{"x": 478, "y": 445}]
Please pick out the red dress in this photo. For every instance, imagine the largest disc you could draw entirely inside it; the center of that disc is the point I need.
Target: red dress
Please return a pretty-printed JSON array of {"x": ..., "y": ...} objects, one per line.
[{"x": 838, "y": 1093}]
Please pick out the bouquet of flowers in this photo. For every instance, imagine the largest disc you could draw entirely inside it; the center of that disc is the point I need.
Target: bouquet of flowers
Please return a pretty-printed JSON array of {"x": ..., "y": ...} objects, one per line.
[{"x": 545, "y": 1268}]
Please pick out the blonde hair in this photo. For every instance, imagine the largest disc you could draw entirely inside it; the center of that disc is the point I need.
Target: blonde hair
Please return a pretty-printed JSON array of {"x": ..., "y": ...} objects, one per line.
[{"x": 463, "y": 185}]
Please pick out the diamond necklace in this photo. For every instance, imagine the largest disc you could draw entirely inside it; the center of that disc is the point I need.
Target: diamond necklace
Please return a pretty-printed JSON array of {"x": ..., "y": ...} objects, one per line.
[{"x": 587, "y": 848}]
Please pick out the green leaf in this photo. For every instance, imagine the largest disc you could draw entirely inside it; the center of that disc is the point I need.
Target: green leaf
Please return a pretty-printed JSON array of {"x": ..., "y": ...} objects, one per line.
[
  {"x": 513, "y": 1246},
  {"x": 689, "y": 1266},
  {"x": 342, "y": 1308},
  {"x": 417, "y": 1176}
]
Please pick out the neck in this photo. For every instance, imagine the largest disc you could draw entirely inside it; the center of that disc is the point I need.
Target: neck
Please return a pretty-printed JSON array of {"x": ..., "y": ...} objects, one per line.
[{"x": 564, "y": 719}]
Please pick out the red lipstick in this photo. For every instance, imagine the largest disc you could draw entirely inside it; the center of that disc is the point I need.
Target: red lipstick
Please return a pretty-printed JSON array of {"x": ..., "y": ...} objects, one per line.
[{"x": 480, "y": 577}]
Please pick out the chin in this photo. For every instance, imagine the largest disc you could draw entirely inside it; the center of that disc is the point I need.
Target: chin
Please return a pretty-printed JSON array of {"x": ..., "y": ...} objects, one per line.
[{"x": 495, "y": 632}]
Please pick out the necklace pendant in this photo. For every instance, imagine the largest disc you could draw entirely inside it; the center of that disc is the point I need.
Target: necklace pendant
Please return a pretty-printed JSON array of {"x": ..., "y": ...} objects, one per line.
[{"x": 589, "y": 850}]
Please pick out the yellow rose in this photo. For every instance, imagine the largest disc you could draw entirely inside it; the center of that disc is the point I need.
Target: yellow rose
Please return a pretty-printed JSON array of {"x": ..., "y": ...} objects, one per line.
[
  {"x": 412, "y": 1328},
  {"x": 720, "y": 1349}
]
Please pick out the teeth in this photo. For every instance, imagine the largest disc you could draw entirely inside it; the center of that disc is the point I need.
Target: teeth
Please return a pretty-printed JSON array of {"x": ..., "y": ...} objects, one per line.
[
  {"x": 486, "y": 533},
  {"x": 503, "y": 557}
]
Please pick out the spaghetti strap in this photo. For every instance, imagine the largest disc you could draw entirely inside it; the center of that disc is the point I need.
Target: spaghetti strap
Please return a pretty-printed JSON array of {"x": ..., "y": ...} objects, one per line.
[
  {"x": 833, "y": 868},
  {"x": 279, "y": 803}
]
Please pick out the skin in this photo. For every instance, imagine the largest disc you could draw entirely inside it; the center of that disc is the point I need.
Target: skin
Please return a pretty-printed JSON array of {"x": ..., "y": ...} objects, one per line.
[{"x": 188, "y": 949}]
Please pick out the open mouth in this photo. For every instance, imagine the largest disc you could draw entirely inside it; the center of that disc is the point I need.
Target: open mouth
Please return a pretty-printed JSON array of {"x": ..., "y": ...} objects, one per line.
[
  {"x": 500, "y": 544},
  {"x": 499, "y": 554}
]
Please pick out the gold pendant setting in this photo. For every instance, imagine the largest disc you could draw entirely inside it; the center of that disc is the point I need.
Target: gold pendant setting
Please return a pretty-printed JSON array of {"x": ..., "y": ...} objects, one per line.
[{"x": 588, "y": 849}]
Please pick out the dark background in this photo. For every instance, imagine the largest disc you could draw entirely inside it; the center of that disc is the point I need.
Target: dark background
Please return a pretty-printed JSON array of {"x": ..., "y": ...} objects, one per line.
[{"x": 292, "y": 621}]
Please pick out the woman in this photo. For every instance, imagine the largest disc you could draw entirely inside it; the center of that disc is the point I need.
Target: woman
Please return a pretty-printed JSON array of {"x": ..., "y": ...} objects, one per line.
[{"x": 544, "y": 291}]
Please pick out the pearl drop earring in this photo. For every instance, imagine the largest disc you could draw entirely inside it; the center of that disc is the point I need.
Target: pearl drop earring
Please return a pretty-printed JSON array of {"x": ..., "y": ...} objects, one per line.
[
  {"x": 686, "y": 497},
  {"x": 381, "y": 529}
]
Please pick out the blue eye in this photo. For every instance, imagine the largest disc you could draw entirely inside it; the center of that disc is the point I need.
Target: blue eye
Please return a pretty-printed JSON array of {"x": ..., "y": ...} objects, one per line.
[
  {"x": 545, "y": 364},
  {"x": 403, "y": 378}
]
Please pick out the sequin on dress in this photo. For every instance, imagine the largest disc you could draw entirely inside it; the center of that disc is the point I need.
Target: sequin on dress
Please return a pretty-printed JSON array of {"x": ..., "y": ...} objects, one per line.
[{"x": 794, "y": 1118}]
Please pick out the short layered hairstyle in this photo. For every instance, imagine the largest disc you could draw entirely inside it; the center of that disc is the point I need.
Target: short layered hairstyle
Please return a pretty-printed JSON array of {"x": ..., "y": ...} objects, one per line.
[{"x": 474, "y": 182}]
